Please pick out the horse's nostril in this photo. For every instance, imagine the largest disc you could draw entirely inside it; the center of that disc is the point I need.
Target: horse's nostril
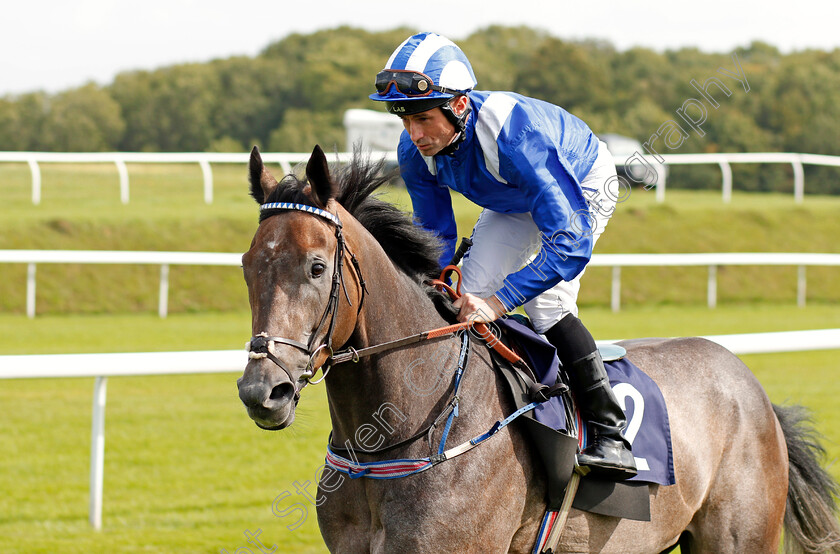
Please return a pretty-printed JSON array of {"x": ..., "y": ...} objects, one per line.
[{"x": 283, "y": 391}]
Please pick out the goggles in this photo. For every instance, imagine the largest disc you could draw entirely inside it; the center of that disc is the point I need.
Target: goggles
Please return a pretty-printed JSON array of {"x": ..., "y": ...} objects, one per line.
[{"x": 409, "y": 83}]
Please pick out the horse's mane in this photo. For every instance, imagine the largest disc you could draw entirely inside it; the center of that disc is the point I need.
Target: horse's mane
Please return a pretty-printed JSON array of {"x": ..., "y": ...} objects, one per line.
[{"x": 412, "y": 249}]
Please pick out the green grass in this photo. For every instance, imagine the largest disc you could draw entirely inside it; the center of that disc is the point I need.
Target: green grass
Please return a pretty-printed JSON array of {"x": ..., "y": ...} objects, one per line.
[{"x": 187, "y": 471}]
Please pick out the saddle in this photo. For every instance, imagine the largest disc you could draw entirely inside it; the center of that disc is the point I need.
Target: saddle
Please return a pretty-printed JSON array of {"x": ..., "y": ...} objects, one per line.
[{"x": 556, "y": 430}]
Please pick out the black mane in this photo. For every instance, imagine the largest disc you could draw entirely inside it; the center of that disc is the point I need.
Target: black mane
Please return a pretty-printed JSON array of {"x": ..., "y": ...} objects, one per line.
[{"x": 413, "y": 249}]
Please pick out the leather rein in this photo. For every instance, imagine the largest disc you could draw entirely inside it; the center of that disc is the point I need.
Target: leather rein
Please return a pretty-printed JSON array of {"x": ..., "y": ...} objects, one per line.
[{"x": 262, "y": 345}]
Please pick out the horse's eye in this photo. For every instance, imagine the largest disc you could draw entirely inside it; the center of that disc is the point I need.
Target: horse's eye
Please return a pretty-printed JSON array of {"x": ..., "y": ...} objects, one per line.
[{"x": 318, "y": 269}]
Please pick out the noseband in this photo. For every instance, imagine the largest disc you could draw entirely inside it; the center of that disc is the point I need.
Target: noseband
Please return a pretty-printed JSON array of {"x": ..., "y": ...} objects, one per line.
[{"x": 262, "y": 345}]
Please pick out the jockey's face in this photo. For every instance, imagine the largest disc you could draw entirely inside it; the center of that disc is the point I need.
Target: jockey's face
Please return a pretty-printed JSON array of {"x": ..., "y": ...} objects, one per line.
[{"x": 431, "y": 131}]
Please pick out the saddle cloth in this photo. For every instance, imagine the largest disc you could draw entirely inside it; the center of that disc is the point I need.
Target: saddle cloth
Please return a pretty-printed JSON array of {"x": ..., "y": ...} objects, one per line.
[{"x": 647, "y": 430}]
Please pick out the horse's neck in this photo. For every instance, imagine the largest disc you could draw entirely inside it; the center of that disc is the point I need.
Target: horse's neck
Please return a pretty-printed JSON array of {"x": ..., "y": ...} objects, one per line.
[{"x": 379, "y": 389}]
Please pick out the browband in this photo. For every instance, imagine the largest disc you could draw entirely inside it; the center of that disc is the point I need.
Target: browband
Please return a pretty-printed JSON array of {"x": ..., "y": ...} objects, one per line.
[{"x": 302, "y": 208}]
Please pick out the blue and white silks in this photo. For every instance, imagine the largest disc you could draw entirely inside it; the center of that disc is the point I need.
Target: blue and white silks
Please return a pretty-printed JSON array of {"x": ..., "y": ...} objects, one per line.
[{"x": 519, "y": 155}]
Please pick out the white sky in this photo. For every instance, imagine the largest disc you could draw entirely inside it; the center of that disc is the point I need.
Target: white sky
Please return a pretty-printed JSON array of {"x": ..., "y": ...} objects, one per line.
[{"x": 53, "y": 45}]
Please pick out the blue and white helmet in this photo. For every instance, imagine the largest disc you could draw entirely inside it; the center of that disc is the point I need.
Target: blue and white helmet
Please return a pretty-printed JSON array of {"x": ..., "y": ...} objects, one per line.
[{"x": 424, "y": 72}]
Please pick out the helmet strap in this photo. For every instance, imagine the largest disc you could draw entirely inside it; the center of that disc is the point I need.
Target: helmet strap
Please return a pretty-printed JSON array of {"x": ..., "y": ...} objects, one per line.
[{"x": 460, "y": 123}]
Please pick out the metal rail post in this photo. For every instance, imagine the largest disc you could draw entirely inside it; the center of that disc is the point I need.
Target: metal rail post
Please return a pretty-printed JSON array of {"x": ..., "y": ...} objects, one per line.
[
  {"x": 798, "y": 181},
  {"x": 726, "y": 172},
  {"x": 801, "y": 287},
  {"x": 30, "y": 290}
]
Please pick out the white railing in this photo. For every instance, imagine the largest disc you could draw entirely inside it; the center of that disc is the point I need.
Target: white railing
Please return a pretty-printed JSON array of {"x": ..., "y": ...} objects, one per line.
[
  {"x": 163, "y": 259},
  {"x": 724, "y": 161},
  {"x": 713, "y": 261},
  {"x": 616, "y": 261},
  {"x": 119, "y": 159},
  {"x": 286, "y": 160},
  {"x": 102, "y": 366}
]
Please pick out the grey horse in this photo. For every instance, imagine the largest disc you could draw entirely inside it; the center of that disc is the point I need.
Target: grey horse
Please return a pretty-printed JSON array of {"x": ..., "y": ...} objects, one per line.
[{"x": 744, "y": 467}]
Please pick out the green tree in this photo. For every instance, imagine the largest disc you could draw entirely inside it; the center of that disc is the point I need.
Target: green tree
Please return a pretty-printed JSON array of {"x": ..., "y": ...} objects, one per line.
[
  {"x": 566, "y": 74},
  {"x": 85, "y": 119},
  {"x": 253, "y": 95},
  {"x": 806, "y": 111},
  {"x": 21, "y": 121},
  {"x": 9, "y": 125},
  {"x": 301, "y": 130},
  {"x": 642, "y": 74},
  {"x": 169, "y": 109},
  {"x": 339, "y": 72},
  {"x": 496, "y": 54}
]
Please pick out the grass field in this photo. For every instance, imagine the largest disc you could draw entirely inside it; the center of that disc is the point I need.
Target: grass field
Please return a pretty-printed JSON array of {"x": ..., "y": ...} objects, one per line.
[{"x": 186, "y": 470}]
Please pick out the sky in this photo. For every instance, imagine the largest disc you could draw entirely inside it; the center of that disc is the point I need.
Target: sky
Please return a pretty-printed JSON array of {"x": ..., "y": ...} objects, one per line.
[{"x": 54, "y": 45}]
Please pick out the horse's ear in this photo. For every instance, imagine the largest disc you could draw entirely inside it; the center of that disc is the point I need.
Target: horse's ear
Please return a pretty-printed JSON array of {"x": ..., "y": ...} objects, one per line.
[
  {"x": 318, "y": 175},
  {"x": 262, "y": 182}
]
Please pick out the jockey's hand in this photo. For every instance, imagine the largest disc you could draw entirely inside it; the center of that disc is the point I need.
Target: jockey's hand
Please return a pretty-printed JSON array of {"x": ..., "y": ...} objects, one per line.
[{"x": 478, "y": 310}]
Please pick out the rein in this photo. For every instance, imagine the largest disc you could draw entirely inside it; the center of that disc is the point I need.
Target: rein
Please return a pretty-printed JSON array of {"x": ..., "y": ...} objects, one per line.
[{"x": 483, "y": 331}]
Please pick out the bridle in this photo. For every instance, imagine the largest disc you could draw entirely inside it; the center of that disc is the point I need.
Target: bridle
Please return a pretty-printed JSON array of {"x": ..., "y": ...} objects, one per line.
[{"x": 262, "y": 345}]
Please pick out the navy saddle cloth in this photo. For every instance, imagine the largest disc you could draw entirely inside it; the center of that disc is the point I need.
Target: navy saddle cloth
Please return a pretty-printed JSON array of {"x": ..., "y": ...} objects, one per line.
[{"x": 647, "y": 429}]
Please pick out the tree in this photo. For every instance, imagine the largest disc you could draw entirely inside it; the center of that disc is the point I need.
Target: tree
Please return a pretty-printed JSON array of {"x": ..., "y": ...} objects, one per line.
[
  {"x": 169, "y": 109},
  {"x": 301, "y": 130},
  {"x": 497, "y": 53},
  {"x": 564, "y": 73},
  {"x": 805, "y": 110},
  {"x": 253, "y": 96},
  {"x": 85, "y": 119},
  {"x": 21, "y": 121},
  {"x": 9, "y": 124},
  {"x": 642, "y": 74}
]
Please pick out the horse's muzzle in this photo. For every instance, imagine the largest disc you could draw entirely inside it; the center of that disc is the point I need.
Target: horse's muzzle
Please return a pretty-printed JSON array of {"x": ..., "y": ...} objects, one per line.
[{"x": 270, "y": 406}]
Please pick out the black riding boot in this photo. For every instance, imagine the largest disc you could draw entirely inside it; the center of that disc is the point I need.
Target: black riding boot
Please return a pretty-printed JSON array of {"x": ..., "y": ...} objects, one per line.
[{"x": 608, "y": 452}]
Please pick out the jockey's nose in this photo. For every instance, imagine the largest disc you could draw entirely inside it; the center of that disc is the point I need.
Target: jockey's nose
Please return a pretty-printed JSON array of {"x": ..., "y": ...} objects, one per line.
[{"x": 415, "y": 131}]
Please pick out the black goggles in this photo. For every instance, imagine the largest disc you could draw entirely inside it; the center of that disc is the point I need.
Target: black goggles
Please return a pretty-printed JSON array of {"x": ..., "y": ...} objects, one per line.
[{"x": 409, "y": 83}]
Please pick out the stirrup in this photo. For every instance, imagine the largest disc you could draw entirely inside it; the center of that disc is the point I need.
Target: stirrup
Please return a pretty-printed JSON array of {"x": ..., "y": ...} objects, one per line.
[{"x": 622, "y": 467}]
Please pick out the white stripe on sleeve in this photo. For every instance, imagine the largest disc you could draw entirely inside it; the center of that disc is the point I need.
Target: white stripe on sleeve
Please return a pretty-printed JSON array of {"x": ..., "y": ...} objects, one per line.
[{"x": 491, "y": 118}]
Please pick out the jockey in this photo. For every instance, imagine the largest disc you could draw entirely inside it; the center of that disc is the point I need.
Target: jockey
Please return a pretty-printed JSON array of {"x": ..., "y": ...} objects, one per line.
[{"x": 547, "y": 185}]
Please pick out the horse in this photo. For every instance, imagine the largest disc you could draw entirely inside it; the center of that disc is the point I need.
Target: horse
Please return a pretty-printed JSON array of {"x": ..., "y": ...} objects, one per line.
[{"x": 333, "y": 266}]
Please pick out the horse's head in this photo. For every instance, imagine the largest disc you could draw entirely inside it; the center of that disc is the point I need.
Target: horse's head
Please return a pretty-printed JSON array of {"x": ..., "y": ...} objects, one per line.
[{"x": 296, "y": 288}]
